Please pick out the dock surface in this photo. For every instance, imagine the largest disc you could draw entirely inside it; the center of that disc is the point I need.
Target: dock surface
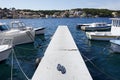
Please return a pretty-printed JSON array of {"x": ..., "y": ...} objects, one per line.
[{"x": 62, "y": 59}]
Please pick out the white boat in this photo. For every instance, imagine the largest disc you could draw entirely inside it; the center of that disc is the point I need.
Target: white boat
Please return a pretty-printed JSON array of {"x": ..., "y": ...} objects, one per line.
[
  {"x": 104, "y": 36},
  {"x": 5, "y": 48},
  {"x": 114, "y": 34},
  {"x": 115, "y": 44},
  {"x": 20, "y": 24},
  {"x": 98, "y": 26},
  {"x": 21, "y": 35}
]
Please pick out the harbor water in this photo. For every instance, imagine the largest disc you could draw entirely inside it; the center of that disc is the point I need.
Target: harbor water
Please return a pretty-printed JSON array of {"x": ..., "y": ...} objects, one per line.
[{"x": 102, "y": 63}]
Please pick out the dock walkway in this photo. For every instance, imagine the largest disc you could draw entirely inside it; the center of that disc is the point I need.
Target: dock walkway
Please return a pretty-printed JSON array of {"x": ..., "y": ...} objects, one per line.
[{"x": 62, "y": 59}]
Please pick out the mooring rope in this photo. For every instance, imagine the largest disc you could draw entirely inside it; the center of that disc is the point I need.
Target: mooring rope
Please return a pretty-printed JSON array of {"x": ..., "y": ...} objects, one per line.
[
  {"x": 14, "y": 56},
  {"x": 12, "y": 65},
  {"x": 33, "y": 49},
  {"x": 89, "y": 60}
]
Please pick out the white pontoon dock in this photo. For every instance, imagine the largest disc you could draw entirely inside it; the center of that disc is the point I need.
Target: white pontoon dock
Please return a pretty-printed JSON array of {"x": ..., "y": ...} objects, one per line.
[{"x": 62, "y": 59}]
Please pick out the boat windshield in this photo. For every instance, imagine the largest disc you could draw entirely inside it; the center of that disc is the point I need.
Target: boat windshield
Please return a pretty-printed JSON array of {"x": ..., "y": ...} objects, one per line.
[
  {"x": 21, "y": 24},
  {"x": 4, "y": 27},
  {"x": 18, "y": 25}
]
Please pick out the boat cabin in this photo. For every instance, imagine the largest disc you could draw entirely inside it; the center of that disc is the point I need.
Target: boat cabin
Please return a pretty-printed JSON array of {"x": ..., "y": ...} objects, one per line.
[
  {"x": 115, "y": 29},
  {"x": 98, "y": 25},
  {"x": 4, "y": 27},
  {"x": 18, "y": 25}
]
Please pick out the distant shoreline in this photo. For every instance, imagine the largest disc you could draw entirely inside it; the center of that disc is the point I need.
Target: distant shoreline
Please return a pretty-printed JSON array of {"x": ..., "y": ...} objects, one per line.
[{"x": 78, "y": 12}]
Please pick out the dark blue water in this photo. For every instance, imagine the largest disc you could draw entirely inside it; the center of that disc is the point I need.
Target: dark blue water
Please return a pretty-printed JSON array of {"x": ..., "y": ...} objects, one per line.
[{"x": 102, "y": 63}]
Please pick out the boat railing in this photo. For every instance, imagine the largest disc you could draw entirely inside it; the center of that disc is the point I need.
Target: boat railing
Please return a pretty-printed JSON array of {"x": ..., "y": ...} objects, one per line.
[
  {"x": 116, "y": 22},
  {"x": 115, "y": 27}
]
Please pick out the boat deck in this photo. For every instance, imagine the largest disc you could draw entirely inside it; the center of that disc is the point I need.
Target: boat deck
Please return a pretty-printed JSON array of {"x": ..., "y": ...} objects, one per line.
[{"x": 62, "y": 59}]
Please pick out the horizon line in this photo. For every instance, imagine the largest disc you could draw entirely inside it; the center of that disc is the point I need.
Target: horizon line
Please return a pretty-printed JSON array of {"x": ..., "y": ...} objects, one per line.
[{"x": 59, "y": 9}]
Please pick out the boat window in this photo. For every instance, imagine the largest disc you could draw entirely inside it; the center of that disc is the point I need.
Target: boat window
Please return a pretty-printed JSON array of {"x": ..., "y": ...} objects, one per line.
[
  {"x": 104, "y": 25},
  {"x": 18, "y": 25},
  {"x": 4, "y": 27},
  {"x": 100, "y": 25},
  {"x": 97, "y": 25},
  {"x": 21, "y": 24},
  {"x": 114, "y": 23},
  {"x": 119, "y": 23},
  {"x": 15, "y": 25}
]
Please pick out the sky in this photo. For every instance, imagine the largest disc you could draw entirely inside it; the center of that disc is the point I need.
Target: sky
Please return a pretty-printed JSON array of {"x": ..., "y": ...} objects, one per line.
[{"x": 60, "y": 4}]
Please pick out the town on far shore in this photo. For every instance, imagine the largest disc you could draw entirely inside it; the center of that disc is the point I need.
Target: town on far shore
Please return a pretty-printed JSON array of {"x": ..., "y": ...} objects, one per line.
[{"x": 13, "y": 13}]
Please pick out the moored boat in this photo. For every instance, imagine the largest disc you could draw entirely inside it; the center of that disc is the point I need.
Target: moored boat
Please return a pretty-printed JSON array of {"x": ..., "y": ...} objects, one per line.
[
  {"x": 20, "y": 35},
  {"x": 22, "y": 25},
  {"x": 98, "y": 26},
  {"x": 114, "y": 34},
  {"x": 106, "y": 36}
]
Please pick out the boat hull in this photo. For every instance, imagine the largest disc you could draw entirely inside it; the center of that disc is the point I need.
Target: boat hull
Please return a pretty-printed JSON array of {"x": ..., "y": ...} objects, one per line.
[
  {"x": 104, "y": 36},
  {"x": 25, "y": 37},
  {"x": 95, "y": 28},
  {"x": 39, "y": 31},
  {"x": 5, "y": 53},
  {"x": 20, "y": 37}
]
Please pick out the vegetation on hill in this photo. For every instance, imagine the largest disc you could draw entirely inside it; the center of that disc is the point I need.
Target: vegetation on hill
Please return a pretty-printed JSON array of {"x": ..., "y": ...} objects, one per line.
[{"x": 78, "y": 12}]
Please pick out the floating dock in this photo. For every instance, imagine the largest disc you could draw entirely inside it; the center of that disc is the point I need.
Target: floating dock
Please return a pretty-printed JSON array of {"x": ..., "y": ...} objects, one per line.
[{"x": 62, "y": 59}]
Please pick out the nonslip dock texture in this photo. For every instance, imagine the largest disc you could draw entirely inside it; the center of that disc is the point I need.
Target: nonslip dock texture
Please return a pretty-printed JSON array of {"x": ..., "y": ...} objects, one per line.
[{"x": 62, "y": 59}]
